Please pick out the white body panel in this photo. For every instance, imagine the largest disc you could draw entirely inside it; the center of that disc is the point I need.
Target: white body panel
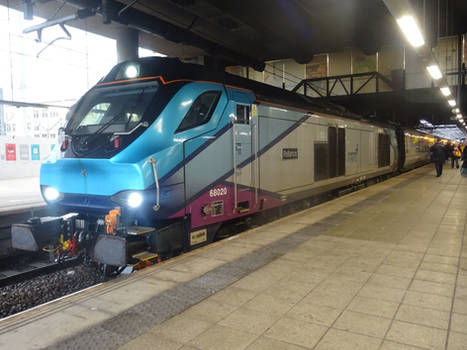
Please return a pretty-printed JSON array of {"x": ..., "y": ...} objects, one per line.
[{"x": 289, "y": 176}]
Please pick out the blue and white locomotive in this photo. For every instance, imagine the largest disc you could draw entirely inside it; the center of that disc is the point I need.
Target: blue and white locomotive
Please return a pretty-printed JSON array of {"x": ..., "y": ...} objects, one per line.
[{"x": 159, "y": 154}]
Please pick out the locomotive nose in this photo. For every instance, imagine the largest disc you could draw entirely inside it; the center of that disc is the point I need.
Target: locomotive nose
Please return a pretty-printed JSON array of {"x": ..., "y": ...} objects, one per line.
[{"x": 90, "y": 180}]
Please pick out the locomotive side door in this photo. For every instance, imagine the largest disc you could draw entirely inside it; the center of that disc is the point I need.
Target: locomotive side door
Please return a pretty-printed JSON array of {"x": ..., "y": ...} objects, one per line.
[{"x": 245, "y": 157}]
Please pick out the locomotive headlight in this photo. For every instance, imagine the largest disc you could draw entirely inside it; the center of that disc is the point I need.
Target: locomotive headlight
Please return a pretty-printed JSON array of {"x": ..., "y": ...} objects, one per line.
[
  {"x": 131, "y": 71},
  {"x": 134, "y": 199},
  {"x": 51, "y": 194}
]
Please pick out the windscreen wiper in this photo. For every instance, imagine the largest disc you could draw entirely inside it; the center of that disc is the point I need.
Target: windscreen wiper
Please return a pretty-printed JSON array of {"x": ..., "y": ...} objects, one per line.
[
  {"x": 90, "y": 138},
  {"x": 106, "y": 125},
  {"x": 98, "y": 131},
  {"x": 143, "y": 124}
]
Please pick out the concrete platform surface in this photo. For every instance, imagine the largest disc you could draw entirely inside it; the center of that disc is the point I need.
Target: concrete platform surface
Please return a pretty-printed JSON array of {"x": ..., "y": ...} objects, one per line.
[
  {"x": 21, "y": 193},
  {"x": 382, "y": 268}
]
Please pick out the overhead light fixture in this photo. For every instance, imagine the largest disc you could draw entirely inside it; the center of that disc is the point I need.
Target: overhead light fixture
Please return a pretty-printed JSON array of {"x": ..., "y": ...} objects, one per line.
[
  {"x": 461, "y": 120},
  {"x": 446, "y": 91},
  {"x": 426, "y": 123},
  {"x": 411, "y": 31},
  {"x": 457, "y": 110},
  {"x": 434, "y": 71},
  {"x": 452, "y": 103},
  {"x": 459, "y": 116}
]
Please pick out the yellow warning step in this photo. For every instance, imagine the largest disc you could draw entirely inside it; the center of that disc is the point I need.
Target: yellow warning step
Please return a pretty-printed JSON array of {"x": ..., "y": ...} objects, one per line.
[
  {"x": 145, "y": 256},
  {"x": 144, "y": 259}
]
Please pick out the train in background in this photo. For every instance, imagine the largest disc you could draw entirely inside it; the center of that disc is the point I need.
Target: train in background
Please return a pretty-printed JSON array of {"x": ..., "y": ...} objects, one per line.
[{"x": 160, "y": 154}]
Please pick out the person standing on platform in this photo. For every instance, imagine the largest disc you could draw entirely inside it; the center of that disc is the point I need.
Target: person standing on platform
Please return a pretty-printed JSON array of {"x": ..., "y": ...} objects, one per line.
[
  {"x": 438, "y": 156},
  {"x": 448, "y": 151},
  {"x": 456, "y": 154},
  {"x": 464, "y": 160}
]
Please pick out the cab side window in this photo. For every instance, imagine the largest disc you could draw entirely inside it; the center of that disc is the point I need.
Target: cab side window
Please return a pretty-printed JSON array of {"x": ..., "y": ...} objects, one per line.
[
  {"x": 243, "y": 114},
  {"x": 200, "y": 111}
]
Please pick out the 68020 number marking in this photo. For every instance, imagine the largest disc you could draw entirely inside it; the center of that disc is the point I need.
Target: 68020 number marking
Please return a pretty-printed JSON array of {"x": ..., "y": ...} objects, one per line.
[{"x": 216, "y": 192}]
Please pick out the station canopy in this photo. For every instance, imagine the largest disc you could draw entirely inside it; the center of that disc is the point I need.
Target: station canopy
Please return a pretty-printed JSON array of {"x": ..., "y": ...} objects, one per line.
[{"x": 248, "y": 33}]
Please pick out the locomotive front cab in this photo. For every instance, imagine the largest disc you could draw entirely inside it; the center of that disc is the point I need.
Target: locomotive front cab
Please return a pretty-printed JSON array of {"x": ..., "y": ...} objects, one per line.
[
  {"x": 105, "y": 121},
  {"x": 117, "y": 128},
  {"x": 107, "y": 118},
  {"x": 125, "y": 145}
]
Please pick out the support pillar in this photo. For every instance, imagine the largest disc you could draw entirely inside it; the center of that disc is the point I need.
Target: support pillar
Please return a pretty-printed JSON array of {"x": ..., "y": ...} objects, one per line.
[
  {"x": 127, "y": 44},
  {"x": 460, "y": 48},
  {"x": 2, "y": 118}
]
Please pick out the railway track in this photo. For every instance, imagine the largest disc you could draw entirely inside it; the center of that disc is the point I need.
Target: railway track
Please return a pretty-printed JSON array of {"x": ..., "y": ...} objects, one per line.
[
  {"x": 15, "y": 265},
  {"x": 7, "y": 218},
  {"x": 42, "y": 284},
  {"x": 22, "y": 270}
]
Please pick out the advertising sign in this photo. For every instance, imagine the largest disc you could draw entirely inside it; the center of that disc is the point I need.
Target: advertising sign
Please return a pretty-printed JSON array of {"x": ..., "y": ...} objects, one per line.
[
  {"x": 35, "y": 152},
  {"x": 24, "y": 152},
  {"x": 10, "y": 151}
]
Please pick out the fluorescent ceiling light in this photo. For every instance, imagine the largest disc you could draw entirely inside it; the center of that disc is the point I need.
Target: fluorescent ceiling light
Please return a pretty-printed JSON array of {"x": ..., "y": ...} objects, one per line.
[
  {"x": 434, "y": 71},
  {"x": 459, "y": 116},
  {"x": 457, "y": 110},
  {"x": 452, "y": 103},
  {"x": 411, "y": 31},
  {"x": 446, "y": 91}
]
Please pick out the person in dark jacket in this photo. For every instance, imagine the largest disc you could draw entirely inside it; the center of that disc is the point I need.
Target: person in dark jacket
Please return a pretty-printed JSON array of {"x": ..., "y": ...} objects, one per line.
[
  {"x": 464, "y": 156},
  {"x": 464, "y": 160},
  {"x": 448, "y": 148},
  {"x": 438, "y": 156}
]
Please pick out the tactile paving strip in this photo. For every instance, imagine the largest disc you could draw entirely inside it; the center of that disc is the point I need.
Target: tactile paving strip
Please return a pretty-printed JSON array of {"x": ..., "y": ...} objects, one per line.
[{"x": 135, "y": 321}]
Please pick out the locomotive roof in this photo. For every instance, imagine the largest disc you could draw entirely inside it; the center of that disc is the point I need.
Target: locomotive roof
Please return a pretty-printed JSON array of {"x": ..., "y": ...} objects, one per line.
[{"x": 173, "y": 70}]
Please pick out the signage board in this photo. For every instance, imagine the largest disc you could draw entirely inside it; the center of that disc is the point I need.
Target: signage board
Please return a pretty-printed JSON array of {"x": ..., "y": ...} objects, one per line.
[
  {"x": 24, "y": 152},
  {"x": 35, "y": 152},
  {"x": 10, "y": 152}
]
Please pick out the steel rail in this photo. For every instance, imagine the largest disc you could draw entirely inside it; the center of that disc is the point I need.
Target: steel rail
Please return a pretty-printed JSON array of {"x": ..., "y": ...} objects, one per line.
[{"x": 35, "y": 271}]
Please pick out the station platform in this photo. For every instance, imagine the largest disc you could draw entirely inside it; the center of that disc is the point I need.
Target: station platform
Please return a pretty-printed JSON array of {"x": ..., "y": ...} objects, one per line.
[
  {"x": 382, "y": 268},
  {"x": 20, "y": 194}
]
